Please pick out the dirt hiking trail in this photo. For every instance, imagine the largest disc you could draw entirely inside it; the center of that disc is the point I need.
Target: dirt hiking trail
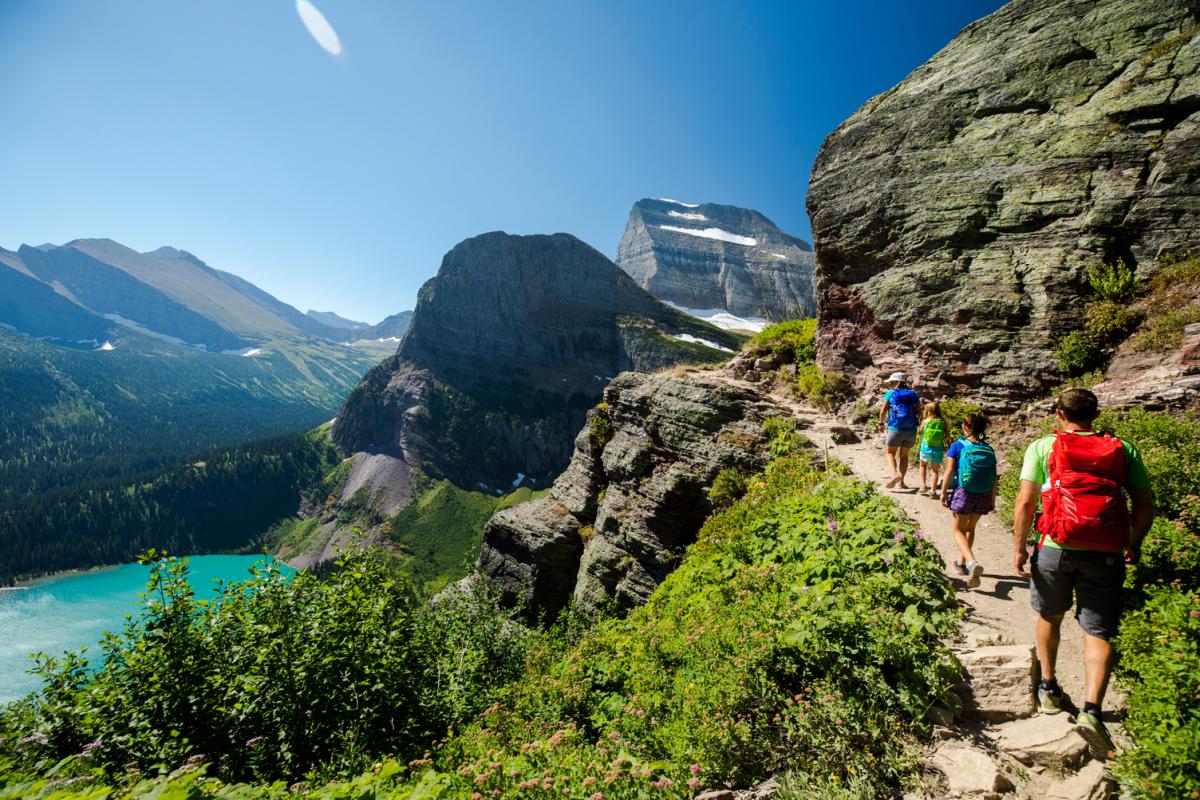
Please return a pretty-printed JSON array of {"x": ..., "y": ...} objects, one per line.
[{"x": 1000, "y": 746}]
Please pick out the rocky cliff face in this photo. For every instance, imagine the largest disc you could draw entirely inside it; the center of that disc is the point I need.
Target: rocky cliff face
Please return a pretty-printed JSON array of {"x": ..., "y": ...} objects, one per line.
[
  {"x": 954, "y": 215},
  {"x": 712, "y": 256},
  {"x": 508, "y": 347},
  {"x": 617, "y": 521}
]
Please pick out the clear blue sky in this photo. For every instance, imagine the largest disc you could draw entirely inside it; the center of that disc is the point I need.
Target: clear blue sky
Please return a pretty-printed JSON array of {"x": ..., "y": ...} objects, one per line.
[{"x": 221, "y": 127}]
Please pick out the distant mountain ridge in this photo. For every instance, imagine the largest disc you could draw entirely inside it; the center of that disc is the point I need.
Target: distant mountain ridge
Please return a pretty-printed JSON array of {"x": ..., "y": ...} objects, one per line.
[
  {"x": 88, "y": 290},
  {"x": 710, "y": 256}
]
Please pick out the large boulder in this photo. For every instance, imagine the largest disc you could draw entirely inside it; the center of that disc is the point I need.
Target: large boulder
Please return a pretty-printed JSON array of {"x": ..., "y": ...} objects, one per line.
[{"x": 954, "y": 215}]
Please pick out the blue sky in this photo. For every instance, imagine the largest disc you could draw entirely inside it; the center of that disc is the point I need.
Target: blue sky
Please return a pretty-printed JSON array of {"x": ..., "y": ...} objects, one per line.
[{"x": 220, "y": 126}]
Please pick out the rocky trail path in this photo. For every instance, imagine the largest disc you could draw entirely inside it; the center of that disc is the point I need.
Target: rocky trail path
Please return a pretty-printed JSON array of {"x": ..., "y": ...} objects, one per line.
[{"x": 1000, "y": 747}]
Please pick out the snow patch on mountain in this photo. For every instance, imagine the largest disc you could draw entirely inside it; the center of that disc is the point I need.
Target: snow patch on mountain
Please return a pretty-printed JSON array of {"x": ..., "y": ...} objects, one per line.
[
  {"x": 678, "y": 202},
  {"x": 687, "y": 337},
  {"x": 107, "y": 346},
  {"x": 713, "y": 233},
  {"x": 723, "y": 319},
  {"x": 687, "y": 215}
]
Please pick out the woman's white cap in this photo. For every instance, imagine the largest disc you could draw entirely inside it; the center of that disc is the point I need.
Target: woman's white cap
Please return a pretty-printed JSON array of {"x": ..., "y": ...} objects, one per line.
[{"x": 897, "y": 377}]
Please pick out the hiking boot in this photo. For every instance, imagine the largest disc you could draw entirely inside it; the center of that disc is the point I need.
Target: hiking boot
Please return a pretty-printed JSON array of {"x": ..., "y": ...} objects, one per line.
[
  {"x": 1089, "y": 725},
  {"x": 974, "y": 574},
  {"x": 960, "y": 568},
  {"x": 1049, "y": 701}
]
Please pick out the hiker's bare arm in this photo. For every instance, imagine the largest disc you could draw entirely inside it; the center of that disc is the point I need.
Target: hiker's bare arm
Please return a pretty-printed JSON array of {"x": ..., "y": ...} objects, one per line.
[
  {"x": 1023, "y": 512},
  {"x": 883, "y": 409},
  {"x": 1142, "y": 516},
  {"x": 947, "y": 469}
]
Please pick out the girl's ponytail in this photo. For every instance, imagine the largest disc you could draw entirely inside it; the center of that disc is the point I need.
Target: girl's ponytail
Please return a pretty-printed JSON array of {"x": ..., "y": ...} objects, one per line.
[{"x": 976, "y": 424}]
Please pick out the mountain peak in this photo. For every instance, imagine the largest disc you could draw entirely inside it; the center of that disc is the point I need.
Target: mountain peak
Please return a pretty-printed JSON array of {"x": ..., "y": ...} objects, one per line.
[{"x": 713, "y": 256}]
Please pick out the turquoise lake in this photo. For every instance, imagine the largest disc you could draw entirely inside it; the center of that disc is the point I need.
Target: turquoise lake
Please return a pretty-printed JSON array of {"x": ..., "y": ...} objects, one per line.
[{"x": 73, "y": 611}]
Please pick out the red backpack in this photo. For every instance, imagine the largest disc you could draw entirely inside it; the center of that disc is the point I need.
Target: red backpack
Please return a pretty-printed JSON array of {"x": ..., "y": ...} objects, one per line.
[{"x": 1085, "y": 506}]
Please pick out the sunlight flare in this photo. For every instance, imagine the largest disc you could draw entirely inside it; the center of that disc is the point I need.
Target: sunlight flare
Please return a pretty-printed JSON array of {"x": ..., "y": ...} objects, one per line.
[{"x": 322, "y": 32}]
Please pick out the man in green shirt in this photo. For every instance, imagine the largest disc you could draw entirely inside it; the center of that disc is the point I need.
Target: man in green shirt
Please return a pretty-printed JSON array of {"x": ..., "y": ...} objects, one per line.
[{"x": 1089, "y": 577}]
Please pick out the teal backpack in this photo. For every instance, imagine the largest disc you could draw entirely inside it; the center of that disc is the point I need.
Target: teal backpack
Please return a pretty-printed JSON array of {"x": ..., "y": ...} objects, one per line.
[
  {"x": 935, "y": 434},
  {"x": 977, "y": 467}
]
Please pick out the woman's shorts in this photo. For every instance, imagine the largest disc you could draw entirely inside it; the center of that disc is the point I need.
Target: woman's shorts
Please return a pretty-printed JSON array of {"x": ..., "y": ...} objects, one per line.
[
  {"x": 932, "y": 455},
  {"x": 964, "y": 502},
  {"x": 901, "y": 438}
]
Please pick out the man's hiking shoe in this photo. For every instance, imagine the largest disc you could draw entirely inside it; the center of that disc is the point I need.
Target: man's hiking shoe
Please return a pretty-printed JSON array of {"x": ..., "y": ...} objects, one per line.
[
  {"x": 1091, "y": 728},
  {"x": 960, "y": 568},
  {"x": 974, "y": 574},
  {"x": 1049, "y": 701}
]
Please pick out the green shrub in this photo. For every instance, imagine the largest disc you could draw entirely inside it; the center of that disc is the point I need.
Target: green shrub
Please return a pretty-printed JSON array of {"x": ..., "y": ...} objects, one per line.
[
  {"x": 1171, "y": 551},
  {"x": 1114, "y": 282},
  {"x": 600, "y": 428},
  {"x": 1171, "y": 304},
  {"x": 955, "y": 411},
  {"x": 274, "y": 679},
  {"x": 793, "y": 341},
  {"x": 825, "y": 390},
  {"x": 727, "y": 488},
  {"x": 1106, "y": 323},
  {"x": 1170, "y": 446},
  {"x": 1073, "y": 353},
  {"x": 1160, "y": 671}
]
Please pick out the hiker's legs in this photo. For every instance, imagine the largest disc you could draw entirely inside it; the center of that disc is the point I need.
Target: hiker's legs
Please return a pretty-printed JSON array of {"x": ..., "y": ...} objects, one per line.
[
  {"x": 1097, "y": 666},
  {"x": 902, "y": 457},
  {"x": 964, "y": 535},
  {"x": 923, "y": 476},
  {"x": 1098, "y": 587},
  {"x": 1049, "y": 633},
  {"x": 891, "y": 462}
]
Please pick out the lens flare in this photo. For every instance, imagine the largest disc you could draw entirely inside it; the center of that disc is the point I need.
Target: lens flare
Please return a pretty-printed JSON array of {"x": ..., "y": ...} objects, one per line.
[{"x": 322, "y": 32}]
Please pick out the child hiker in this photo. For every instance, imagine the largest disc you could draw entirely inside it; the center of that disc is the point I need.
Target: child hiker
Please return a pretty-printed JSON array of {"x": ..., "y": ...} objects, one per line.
[
  {"x": 972, "y": 462},
  {"x": 933, "y": 448}
]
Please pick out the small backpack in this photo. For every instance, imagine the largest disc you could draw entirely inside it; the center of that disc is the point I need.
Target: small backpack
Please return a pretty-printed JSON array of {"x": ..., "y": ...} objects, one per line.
[
  {"x": 977, "y": 467},
  {"x": 1084, "y": 505},
  {"x": 935, "y": 434},
  {"x": 902, "y": 410}
]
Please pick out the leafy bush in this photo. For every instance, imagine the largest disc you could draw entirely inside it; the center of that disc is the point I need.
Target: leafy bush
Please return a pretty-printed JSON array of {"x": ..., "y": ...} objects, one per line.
[
  {"x": 1170, "y": 446},
  {"x": 727, "y": 488},
  {"x": 825, "y": 390},
  {"x": 1114, "y": 282},
  {"x": 1160, "y": 664},
  {"x": 793, "y": 341},
  {"x": 600, "y": 428},
  {"x": 1171, "y": 551},
  {"x": 273, "y": 679},
  {"x": 955, "y": 411},
  {"x": 1171, "y": 304},
  {"x": 1106, "y": 323}
]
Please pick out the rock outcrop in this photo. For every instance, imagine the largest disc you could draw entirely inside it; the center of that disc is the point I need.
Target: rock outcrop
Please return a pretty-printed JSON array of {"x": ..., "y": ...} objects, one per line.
[
  {"x": 709, "y": 256},
  {"x": 634, "y": 496},
  {"x": 954, "y": 215},
  {"x": 509, "y": 346}
]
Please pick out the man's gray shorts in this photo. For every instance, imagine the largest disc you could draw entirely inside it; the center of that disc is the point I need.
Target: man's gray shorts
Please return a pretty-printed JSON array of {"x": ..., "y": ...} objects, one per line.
[
  {"x": 901, "y": 438},
  {"x": 1095, "y": 580}
]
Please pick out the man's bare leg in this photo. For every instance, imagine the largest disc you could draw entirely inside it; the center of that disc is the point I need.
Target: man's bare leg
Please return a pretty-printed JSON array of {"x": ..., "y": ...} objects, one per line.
[
  {"x": 1097, "y": 667},
  {"x": 1049, "y": 633}
]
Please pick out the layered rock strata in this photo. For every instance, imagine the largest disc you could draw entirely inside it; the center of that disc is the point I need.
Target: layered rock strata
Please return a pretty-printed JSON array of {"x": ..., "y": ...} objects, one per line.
[
  {"x": 709, "y": 256},
  {"x": 634, "y": 496},
  {"x": 954, "y": 215}
]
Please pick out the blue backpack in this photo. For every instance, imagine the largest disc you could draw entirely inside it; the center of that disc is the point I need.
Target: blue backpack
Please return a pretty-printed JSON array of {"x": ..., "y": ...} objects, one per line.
[
  {"x": 902, "y": 410},
  {"x": 977, "y": 467}
]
